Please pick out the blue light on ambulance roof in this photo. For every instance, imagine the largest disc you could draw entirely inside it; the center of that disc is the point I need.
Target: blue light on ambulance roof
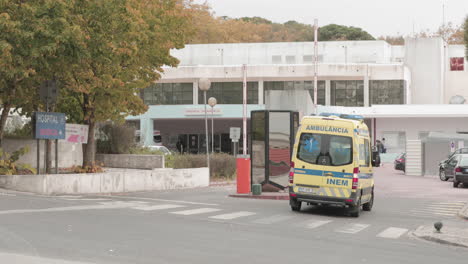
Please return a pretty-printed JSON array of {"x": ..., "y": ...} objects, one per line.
[
  {"x": 344, "y": 116},
  {"x": 355, "y": 117},
  {"x": 330, "y": 114}
]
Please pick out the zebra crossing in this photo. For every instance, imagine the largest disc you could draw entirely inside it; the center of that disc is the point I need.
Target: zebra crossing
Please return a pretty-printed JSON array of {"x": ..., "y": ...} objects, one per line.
[
  {"x": 211, "y": 213},
  {"x": 438, "y": 209}
]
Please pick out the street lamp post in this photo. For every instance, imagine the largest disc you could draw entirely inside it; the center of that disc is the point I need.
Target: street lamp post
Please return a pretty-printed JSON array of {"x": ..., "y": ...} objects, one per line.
[
  {"x": 212, "y": 102},
  {"x": 204, "y": 85}
]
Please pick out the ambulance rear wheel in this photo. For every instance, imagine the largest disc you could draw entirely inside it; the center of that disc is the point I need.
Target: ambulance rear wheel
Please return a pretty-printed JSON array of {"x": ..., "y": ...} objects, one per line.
[
  {"x": 355, "y": 210},
  {"x": 295, "y": 205},
  {"x": 368, "y": 206}
]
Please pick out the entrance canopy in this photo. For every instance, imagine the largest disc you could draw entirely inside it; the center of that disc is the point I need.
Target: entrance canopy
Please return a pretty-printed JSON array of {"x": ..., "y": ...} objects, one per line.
[{"x": 399, "y": 111}]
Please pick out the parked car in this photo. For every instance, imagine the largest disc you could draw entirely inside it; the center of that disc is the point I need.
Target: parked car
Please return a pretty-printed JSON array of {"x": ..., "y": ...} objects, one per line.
[
  {"x": 457, "y": 168},
  {"x": 162, "y": 149},
  {"x": 442, "y": 175},
  {"x": 400, "y": 162}
]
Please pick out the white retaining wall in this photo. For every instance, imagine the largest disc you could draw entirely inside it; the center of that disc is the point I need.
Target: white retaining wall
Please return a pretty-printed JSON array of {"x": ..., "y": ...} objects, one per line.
[{"x": 112, "y": 181}]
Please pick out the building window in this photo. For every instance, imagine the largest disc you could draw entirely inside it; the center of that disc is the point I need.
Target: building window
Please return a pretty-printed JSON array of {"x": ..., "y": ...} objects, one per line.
[
  {"x": 387, "y": 91},
  {"x": 291, "y": 59},
  {"x": 457, "y": 64},
  {"x": 347, "y": 93},
  {"x": 298, "y": 85},
  {"x": 276, "y": 59},
  {"x": 168, "y": 94},
  {"x": 308, "y": 58},
  {"x": 231, "y": 93}
]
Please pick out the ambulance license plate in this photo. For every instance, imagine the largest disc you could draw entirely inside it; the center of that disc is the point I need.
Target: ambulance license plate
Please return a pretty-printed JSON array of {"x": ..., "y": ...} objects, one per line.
[{"x": 307, "y": 190}]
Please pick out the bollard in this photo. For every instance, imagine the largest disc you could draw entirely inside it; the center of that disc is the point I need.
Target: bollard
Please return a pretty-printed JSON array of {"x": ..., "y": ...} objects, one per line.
[
  {"x": 256, "y": 189},
  {"x": 243, "y": 174}
]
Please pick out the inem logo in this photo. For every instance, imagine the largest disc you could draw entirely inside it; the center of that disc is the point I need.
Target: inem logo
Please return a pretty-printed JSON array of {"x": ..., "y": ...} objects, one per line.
[
  {"x": 328, "y": 129},
  {"x": 337, "y": 182}
]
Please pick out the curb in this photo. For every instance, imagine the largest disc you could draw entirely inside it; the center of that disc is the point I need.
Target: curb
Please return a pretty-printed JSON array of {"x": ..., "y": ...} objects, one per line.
[
  {"x": 463, "y": 213},
  {"x": 261, "y": 197},
  {"x": 435, "y": 239},
  {"x": 440, "y": 241}
]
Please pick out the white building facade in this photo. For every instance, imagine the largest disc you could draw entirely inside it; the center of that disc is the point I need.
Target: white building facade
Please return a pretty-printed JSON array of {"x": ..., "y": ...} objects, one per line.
[{"x": 352, "y": 74}]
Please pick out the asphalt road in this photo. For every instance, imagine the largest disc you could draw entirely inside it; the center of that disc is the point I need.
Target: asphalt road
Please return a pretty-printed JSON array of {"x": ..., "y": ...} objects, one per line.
[{"x": 205, "y": 226}]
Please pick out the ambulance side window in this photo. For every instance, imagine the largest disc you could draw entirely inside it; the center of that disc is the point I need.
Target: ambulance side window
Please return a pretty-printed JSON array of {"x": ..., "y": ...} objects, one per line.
[
  {"x": 364, "y": 154},
  {"x": 309, "y": 147}
]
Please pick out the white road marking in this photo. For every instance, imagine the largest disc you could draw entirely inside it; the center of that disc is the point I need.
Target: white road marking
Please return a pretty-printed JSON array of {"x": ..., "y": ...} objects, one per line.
[
  {"x": 453, "y": 203},
  {"x": 315, "y": 224},
  {"x": 232, "y": 215},
  {"x": 196, "y": 211},
  {"x": 445, "y": 206},
  {"x": 161, "y": 200},
  {"x": 104, "y": 205},
  {"x": 392, "y": 232},
  {"x": 352, "y": 228},
  {"x": 431, "y": 213},
  {"x": 272, "y": 219},
  {"x": 87, "y": 199},
  {"x": 158, "y": 207}
]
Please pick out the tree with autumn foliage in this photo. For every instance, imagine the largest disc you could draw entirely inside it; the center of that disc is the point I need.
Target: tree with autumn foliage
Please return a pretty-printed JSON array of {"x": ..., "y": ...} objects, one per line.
[
  {"x": 34, "y": 39},
  {"x": 122, "y": 46},
  {"x": 465, "y": 35}
]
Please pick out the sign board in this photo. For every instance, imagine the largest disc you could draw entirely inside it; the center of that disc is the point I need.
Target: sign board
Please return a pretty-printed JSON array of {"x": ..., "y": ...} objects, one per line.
[
  {"x": 49, "y": 125},
  {"x": 234, "y": 133},
  {"x": 48, "y": 91},
  {"x": 201, "y": 111},
  {"x": 461, "y": 144},
  {"x": 75, "y": 133},
  {"x": 452, "y": 146}
]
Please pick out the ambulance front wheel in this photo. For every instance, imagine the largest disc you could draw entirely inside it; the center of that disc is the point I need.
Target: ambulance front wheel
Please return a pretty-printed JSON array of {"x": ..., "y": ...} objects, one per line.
[{"x": 295, "y": 204}]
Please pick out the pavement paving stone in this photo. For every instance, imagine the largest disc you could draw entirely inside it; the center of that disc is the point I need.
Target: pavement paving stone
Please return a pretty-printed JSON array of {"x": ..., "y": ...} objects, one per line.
[{"x": 449, "y": 235}]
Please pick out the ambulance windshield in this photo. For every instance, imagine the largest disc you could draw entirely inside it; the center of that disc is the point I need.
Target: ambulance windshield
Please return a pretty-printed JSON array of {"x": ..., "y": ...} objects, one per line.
[{"x": 324, "y": 149}]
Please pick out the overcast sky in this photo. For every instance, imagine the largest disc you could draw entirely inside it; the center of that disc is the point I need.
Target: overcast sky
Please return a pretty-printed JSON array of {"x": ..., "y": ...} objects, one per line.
[{"x": 378, "y": 17}]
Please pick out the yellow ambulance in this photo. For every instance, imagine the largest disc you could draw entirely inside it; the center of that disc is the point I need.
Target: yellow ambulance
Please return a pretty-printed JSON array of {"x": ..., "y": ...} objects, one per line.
[{"x": 332, "y": 163}]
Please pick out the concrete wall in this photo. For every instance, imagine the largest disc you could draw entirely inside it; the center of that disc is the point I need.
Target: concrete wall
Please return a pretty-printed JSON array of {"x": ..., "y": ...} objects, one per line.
[
  {"x": 113, "y": 181},
  {"x": 263, "y": 53},
  {"x": 131, "y": 161},
  {"x": 424, "y": 57},
  {"x": 412, "y": 127},
  {"x": 70, "y": 154},
  {"x": 456, "y": 84}
]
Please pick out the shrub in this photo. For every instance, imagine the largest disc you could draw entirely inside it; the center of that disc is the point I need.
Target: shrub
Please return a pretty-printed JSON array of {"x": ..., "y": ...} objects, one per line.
[
  {"x": 222, "y": 165},
  {"x": 8, "y": 163},
  {"x": 87, "y": 169},
  {"x": 144, "y": 151}
]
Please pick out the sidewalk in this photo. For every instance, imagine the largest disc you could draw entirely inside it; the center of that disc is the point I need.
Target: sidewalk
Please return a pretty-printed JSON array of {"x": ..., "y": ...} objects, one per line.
[
  {"x": 464, "y": 212},
  {"x": 264, "y": 195},
  {"x": 448, "y": 235}
]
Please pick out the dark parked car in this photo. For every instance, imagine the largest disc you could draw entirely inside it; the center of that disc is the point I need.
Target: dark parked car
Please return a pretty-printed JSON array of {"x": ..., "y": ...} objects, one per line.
[
  {"x": 400, "y": 162},
  {"x": 442, "y": 175},
  {"x": 457, "y": 168}
]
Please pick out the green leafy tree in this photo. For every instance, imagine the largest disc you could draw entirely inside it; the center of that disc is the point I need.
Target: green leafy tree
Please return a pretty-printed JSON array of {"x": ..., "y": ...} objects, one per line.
[
  {"x": 33, "y": 40},
  {"x": 340, "y": 32},
  {"x": 122, "y": 46},
  {"x": 465, "y": 37}
]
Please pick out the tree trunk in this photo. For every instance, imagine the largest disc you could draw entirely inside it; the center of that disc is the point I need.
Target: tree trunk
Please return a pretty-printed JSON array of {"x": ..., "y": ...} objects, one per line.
[
  {"x": 3, "y": 119},
  {"x": 48, "y": 156},
  {"x": 89, "y": 150}
]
